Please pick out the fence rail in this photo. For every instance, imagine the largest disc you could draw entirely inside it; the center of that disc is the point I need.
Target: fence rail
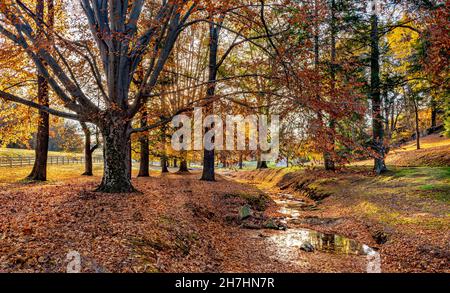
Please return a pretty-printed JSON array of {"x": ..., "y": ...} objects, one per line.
[{"x": 20, "y": 161}]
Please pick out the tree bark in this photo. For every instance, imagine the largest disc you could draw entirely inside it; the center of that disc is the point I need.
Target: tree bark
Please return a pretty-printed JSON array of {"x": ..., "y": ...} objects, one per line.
[
  {"x": 144, "y": 165},
  {"x": 183, "y": 163},
  {"x": 88, "y": 150},
  {"x": 183, "y": 166},
  {"x": 377, "y": 118},
  {"x": 416, "y": 115},
  {"x": 116, "y": 139},
  {"x": 39, "y": 171},
  {"x": 260, "y": 164},
  {"x": 241, "y": 163},
  {"x": 164, "y": 168},
  {"x": 328, "y": 158},
  {"x": 434, "y": 111},
  {"x": 208, "y": 173},
  {"x": 263, "y": 165},
  {"x": 87, "y": 158},
  {"x": 164, "y": 161}
]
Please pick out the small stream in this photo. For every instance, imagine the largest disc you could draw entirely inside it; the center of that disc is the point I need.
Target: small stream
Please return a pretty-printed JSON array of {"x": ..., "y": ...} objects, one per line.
[
  {"x": 289, "y": 242},
  {"x": 308, "y": 239}
]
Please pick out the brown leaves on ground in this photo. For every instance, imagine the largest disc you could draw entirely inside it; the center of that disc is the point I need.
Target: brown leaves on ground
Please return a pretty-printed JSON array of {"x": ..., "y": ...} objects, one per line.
[
  {"x": 405, "y": 213},
  {"x": 180, "y": 224},
  {"x": 175, "y": 224}
]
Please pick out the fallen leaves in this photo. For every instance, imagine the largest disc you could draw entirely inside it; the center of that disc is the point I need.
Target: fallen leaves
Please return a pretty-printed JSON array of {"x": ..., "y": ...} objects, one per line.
[{"x": 179, "y": 224}]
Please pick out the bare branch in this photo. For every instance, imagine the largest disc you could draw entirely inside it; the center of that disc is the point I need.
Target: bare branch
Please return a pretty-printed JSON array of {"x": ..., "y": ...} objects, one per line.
[{"x": 9, "y": 97}]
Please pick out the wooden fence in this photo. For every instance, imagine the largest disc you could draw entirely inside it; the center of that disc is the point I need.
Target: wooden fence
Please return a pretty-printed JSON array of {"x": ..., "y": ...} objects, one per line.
[{"x": 20, "y": 161}]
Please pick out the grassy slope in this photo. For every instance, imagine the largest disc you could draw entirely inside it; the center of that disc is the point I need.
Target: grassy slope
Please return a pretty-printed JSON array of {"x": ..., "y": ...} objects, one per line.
[
  {"x": 410, "y": 203},
  {"x": 434, "y": 152}
]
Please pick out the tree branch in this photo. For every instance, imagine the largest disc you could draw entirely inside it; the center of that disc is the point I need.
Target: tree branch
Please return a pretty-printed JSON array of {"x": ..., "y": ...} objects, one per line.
[{"x": 9, "y": 97}]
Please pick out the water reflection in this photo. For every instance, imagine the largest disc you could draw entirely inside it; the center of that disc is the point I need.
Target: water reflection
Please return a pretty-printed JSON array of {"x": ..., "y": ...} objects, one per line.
[{"x": 296, "y": 238}]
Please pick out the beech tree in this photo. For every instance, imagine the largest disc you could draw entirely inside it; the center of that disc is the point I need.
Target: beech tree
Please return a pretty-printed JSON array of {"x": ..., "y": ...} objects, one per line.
[
  {"x": 39, "y": 171},
  {"x": 121, "y": 45}
]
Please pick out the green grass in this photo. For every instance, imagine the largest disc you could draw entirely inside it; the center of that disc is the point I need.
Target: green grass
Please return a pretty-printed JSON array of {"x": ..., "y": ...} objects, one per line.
[
  {"x": 442, "y": 196},
  {"x": 437, "y": 191},
  {"x": 422, "y": 172},
  {"x": 427, "y": 187}
]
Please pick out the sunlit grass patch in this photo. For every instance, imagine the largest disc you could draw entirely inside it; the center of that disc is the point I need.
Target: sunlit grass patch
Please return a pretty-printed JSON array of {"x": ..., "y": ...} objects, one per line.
[
  {"x": 394, "y": 217},
  {"x": 418, "y": 173},
  {"x": 54, "y": 173},
  {"x": 10, "y": 152},
  {"x": 428, "y": 187}
]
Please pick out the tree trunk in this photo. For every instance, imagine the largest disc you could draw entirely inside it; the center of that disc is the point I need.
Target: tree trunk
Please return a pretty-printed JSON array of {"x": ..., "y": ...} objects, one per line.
[
  {"x": 164, "y": 168},
  {"x": 328, "y": 163},
  {"x": 183, "y": 162},
  {"x": 39, "y": 171},
  {"x": 87, "y": 158},
  {"x": 416, "y": 114},
  {"x": 175, "y": 163},
  {"x": 328, "y": 158},
  {"x": 387, "y": 110},
  {"x": 183, "y": 166},
  {"x": 164, "y": 161},
  {"x": 145, "y": 153},
  {"x": 144, "y": 163},
  {"x": 88, "y": 150},
  {"x": 377, "y": 118},
  {"x": 261, "y": 164},
  {"x": 116, "y": 176},
  {"x": 208, "y": 173},
  {"x": 433, "y": 105},
  {"x": 393, "y": 122},
  {"x": 241, "y": 163}
]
